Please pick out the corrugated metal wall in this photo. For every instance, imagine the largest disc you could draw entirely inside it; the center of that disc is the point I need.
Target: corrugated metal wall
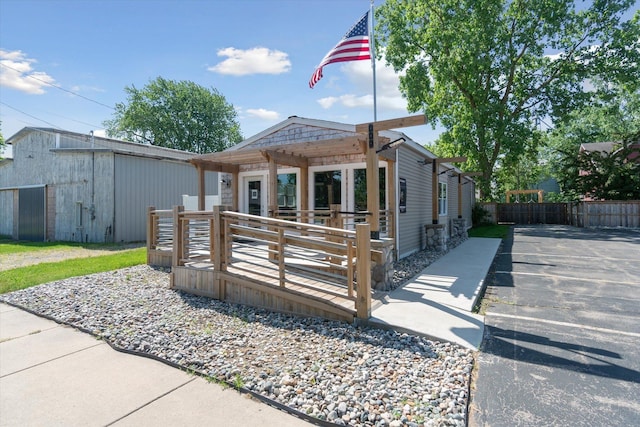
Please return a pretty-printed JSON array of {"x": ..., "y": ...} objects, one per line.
[
  {"x": 143, "y": 182},
  {"x": 31, "y": 214},
  {"x": 6, "y": 212},
  {"x": 411, "y": 234}
]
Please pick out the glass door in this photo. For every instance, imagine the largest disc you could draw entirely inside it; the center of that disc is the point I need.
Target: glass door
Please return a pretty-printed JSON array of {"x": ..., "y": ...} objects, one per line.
[{"x": 254, "y": 196}]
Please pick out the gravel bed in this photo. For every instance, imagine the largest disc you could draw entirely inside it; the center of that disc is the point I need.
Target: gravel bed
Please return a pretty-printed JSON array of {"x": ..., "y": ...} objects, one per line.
[{"x": 332, "y": 371}]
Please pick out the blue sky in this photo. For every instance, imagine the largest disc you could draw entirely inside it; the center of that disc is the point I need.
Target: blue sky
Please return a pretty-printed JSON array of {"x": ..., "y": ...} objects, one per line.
[{"x": 259, "y": 54}]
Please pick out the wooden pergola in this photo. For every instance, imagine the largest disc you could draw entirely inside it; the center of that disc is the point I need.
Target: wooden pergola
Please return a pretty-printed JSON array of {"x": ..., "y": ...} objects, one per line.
[{"x": 300, "y": 154}]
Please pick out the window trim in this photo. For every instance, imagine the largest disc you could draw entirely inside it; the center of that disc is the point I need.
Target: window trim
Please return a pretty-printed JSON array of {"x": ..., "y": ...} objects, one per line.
[{"x": 443, "y": 201}]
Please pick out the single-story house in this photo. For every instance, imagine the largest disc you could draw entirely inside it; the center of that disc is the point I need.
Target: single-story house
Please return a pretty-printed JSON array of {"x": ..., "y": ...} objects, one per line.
[
  {"x": 69, "y": 186},
  {"x": 318, "y": 164}
]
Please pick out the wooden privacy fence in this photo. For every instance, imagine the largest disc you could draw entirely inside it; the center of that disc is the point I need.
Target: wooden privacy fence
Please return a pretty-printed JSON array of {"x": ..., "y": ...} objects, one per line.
[
  {"x": 282, "y": 265},
  {"x": 533, "y": 213},
  {"x": 606, "y": 214},
  {"x": 581, "y": 214}
]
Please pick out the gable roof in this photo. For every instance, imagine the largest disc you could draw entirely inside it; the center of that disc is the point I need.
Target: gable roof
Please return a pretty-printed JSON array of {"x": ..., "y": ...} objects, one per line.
[
  {"x": 297, "y": 139},
  {"x": 88, "y": 143},
  {"x": 294, "y": 120}
]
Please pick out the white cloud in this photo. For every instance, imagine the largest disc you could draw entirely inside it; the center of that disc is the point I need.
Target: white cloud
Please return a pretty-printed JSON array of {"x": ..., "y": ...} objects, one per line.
[
  {"x": 261, "y": 113},
  {"x": 79, "y": 88},
  {"x": 16, "y": 73},
  {"x": 257, "y": 60},
  {"x": 327, "y": 102},
  {"x": 360, "y": 75}
]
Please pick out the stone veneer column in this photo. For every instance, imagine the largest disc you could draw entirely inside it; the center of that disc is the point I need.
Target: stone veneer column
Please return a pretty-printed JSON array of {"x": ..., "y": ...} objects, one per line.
[
  {"x": 458, "y": 232},
  {"x": 436, "y": 239},
  {"x": 459, "y": 228},
  {"x": 382, "y": 265}
]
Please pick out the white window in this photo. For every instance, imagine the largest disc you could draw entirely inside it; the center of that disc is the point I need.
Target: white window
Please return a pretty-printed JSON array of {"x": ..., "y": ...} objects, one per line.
[{"x": 442, "y": 198}]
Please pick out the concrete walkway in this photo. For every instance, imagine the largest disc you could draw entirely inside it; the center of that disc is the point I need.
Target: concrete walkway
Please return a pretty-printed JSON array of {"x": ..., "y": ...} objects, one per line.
[
  {"x": 438, "y": 302},
  {"x": 53, "y": 375}
]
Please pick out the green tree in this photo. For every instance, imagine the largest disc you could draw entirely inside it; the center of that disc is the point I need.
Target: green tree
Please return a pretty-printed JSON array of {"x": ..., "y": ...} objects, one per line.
[
  {"x": 614, "y": 116},
  {"x": 176, "y": 114},
  {"x": 2, "y": 143},
  {"x": 487, "y": 70},
  {"x": 613, "y": 175}
]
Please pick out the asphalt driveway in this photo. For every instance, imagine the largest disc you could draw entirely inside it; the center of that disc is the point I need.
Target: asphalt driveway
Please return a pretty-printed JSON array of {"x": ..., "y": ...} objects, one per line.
[{"x": 562, "y": 331}]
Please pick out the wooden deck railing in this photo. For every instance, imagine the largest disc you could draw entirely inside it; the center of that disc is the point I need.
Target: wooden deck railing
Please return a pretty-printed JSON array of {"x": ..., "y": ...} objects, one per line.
[
  {"x": 303, "y": 258},
  {"x": 336, "y": 218},
  {"x": 159, "y": 236}
]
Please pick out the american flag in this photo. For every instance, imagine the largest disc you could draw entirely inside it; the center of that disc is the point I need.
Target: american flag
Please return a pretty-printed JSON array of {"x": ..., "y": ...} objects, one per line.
[{"x": 354, "y": 46}]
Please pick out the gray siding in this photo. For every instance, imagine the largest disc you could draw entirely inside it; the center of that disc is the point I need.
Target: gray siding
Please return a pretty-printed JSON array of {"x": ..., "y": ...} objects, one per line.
[
  {"x": 468, "y": 200},
  {"x": 83, "y": 188},
  {"x": 411, "y": 223},
  {"x": 6, "y": 212},
  {"x": 142, "y": 182}
]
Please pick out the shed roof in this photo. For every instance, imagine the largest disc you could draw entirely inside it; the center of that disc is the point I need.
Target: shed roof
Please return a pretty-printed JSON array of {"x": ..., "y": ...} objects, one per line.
[{"x": 105, "y": 144}]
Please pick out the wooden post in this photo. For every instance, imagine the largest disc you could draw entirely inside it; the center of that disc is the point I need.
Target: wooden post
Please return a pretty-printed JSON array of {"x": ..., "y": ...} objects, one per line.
[
  {"x": 235, "y": 185},
  {"x": 201, "y": 188},
  {"x": 434, "y": 191},
  {"x": 273, "y": 188},
  {"x": 334, "y": 221},
  {"x": 281, "y": 257},
  {"x": 218, "y": 254},
  {"x": 304, "y": 191},
  {"x": 178, "y": 237},
  {"x": 391, "y": 202},
  {"x": 151, "y": 231},
  {"x": 363, "y": 256},
  {"x": 373, "y": 183},
  {"x": 459, "y": 196}
]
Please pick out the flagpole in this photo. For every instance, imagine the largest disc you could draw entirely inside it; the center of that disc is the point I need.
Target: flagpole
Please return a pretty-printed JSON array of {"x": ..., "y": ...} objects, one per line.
[{"x": 373, "y": 61}]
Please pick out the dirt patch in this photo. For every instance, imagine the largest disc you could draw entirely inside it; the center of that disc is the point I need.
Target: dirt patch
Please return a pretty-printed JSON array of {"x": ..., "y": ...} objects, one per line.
[{"x": 23, "y": 259}]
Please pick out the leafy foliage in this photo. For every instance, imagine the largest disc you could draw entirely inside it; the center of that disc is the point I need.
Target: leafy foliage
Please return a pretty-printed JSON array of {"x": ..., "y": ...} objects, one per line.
[
  {"x": 480, "y": 215},
  {"x": 488, "y": 70},
  {"x": 615, "y": 116},
  {"x": 2, "y": 143},
  {"x": 605, "y": 175},
  {"x": 180, "y": 115}
]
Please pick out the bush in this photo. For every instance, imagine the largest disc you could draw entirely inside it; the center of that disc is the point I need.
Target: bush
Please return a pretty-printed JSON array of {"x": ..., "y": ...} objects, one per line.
[{"x": 480, "y": 216}]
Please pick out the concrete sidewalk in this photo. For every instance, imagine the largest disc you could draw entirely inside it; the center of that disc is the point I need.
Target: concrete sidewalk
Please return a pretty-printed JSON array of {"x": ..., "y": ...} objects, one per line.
[
  {"x": 55, "y": 375},
  {"x": 438, "y": 302}
]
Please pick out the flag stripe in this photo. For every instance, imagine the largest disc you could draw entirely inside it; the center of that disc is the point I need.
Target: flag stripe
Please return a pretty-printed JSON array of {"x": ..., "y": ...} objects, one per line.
[{"x": 354, "y": 46}]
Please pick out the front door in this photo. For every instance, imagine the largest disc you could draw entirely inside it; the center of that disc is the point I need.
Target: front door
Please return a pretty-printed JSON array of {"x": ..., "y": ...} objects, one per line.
[{"x": 254, "y": 196}]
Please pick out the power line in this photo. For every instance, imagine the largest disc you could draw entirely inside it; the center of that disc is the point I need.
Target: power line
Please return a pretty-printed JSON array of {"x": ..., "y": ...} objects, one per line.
[
  {"x": 59, "y": 87},
  {"x": 27, "y": 114}
]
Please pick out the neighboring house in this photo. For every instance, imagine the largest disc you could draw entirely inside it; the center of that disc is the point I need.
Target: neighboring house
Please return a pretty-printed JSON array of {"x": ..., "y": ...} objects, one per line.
[
  {"x": 321, "y": 163},
  {"x": 607, "y": 148},
  {"x": 75, "y": 187}
]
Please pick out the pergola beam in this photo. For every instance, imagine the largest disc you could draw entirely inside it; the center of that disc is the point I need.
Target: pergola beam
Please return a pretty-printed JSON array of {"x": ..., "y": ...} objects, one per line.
[
  {"x": 402, "y": 122},
  {"x": 283, "y": 158},
  {"x": 215, "y": 166}
]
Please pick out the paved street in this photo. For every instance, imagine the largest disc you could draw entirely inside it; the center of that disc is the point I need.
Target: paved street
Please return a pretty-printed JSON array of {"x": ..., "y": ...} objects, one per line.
[{"x": 562, "y": 334}]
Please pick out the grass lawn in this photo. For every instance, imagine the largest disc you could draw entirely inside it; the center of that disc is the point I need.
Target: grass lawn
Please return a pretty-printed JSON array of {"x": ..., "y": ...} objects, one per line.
[
  {"x": 494, "y": 230},
  {"x": 9, "y": 246},
  {"x": 25, "y": 277}
]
